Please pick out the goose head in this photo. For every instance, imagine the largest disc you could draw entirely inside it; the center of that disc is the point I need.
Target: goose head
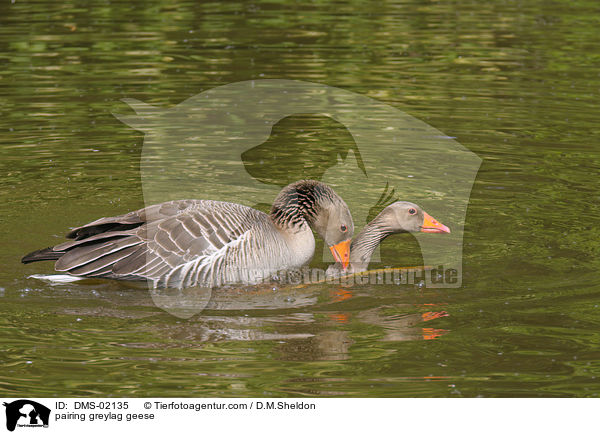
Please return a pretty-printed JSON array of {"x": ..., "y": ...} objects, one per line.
[
  {"x": 335, "y": 225},
  {"x": 408, "y": 217},
  {"x": 396, "y": 218},
  {"x": 318, "y": 205}
]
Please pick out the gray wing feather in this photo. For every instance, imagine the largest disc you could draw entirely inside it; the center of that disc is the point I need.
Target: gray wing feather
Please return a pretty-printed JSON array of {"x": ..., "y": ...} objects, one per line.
[{"x": 178, "y": 243}]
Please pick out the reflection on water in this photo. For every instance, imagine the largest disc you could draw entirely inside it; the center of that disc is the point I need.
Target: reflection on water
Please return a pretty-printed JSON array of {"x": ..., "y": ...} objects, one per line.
[
  {"x": 516, "y": 83},
  {"x": 287, "y": 324},
  {"x": 286, "y": 313}
]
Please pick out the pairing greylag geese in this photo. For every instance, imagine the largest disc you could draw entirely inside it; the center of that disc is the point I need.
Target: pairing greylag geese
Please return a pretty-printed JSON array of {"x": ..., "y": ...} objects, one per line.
[
  {"x": 395, "y": 218},
  {"x": 187, "y": 243}
]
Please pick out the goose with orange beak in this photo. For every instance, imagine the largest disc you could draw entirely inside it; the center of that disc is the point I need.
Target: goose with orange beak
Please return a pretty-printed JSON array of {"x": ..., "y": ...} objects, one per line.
[
  {"x": 189, "y": 243},
  {"x": 396, "y": 218}
]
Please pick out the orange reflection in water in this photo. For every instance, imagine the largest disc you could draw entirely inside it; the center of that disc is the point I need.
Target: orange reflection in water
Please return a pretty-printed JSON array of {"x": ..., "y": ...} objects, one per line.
[
  {"x": 428, "y": 316},
  {"x": 340, "y": 294},
  {"x": 339, "y": 317},
  {"x": 431, "y": 333}
]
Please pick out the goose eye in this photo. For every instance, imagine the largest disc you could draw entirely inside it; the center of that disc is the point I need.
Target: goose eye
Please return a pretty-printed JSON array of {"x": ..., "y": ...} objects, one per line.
[
  {"x": 343, "y": 228},
  {"x": 412, "y": 211}
]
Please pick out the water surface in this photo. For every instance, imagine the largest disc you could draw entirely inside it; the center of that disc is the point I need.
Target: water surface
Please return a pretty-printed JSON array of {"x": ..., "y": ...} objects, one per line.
[{"x": 515, "y": 82}]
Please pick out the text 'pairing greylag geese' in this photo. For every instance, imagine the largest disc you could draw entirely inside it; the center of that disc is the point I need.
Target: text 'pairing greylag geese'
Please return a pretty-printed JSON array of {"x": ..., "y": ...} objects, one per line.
[
  {"x": 396, "y": 218},
  {"x": 187, "y": 243}
]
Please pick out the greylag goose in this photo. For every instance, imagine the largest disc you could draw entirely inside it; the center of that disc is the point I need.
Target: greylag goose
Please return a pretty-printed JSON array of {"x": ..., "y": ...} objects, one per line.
[
  {"x": 395, "y": 218},
  {"x": 187, "y": 243}
]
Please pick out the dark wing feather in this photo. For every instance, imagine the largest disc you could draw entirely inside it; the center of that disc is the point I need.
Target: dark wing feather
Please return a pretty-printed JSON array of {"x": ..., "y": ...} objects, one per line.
[
  {"x": 47, "y": 254},
  {"x": 97, "y": 253}
]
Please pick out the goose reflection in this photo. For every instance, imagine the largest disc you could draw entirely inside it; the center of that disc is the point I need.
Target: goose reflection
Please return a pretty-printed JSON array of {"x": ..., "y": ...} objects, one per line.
[{"x": 307, "y": 324}]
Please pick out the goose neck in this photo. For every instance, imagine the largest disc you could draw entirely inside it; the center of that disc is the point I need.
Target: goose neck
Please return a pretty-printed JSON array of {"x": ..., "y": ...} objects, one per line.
[
  {"x": 298, "y": 204},
  {"x": 365, "y": 244}
]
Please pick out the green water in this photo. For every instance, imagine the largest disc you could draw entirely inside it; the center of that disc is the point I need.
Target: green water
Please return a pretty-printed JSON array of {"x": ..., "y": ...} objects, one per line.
[{"x": 517, "y": 83}]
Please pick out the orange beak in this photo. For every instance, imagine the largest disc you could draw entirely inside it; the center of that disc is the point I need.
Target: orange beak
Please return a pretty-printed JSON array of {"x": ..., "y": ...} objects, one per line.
[
  {"x": 433, "y": 226},
  {"x": 341, "y": 253}
]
